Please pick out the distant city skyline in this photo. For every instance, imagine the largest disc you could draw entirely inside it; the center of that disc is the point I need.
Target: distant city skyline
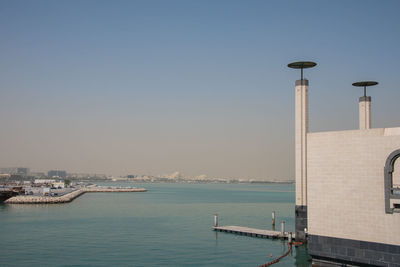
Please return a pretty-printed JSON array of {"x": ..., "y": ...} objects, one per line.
[{"x": 199, "y": 87}]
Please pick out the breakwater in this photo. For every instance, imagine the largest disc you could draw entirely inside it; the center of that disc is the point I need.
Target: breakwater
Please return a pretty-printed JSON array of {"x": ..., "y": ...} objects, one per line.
[{"x": 22, "y": 199}]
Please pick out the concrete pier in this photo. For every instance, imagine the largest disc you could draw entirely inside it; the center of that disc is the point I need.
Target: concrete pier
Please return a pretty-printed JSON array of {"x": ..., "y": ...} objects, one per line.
[
  {"x": 253, "y": 232},
  {"x": 22, "y": 199}
]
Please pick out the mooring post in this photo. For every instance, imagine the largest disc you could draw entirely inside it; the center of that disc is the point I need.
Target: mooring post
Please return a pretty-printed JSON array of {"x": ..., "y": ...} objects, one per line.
[
  {"x": 215, "y": 220},
  {"x": 273, "y": 218},
  {"x": 283, "y": 227},
  {"x": 290, "y": 237}
]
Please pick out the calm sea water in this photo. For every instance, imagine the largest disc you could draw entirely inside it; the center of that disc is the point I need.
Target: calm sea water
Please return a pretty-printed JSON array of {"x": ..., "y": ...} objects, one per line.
[{"x": 170, "y": 225}]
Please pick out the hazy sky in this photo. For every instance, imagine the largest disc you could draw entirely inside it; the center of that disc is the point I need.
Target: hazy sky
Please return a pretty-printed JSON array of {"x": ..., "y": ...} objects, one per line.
[{"x": 201, "y": 87}]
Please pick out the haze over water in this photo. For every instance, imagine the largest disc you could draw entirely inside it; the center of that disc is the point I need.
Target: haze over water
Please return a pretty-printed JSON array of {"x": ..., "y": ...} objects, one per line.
[
  {"x": 200, "y": 87},
  {"x": 170, "y": 225}
]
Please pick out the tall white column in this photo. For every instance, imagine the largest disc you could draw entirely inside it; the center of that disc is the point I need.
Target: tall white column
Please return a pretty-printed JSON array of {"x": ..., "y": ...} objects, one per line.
[
  {"x": 301, "y": 119},
  {"x": 365, "y": 112}
]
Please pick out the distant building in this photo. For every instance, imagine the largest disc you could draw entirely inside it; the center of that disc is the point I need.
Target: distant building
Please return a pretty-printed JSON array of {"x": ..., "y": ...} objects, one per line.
[
  {"x": 38, "y": 174},
  {"x": 16, "y": 177},
  {"x": 23, "y": 171},
  {"x": 14, "y": 170},
  {"x": 57, "y": 173},
  {"x": 59, "y": 184},
  {"x": 8, "y": 170},
  {"x": 44, "y": 181},
  {"x": 46, "y": 191}
]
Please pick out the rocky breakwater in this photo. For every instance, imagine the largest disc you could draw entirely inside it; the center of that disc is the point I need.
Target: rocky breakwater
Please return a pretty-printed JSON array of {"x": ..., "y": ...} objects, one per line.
[{"x": 22, "y": 199}]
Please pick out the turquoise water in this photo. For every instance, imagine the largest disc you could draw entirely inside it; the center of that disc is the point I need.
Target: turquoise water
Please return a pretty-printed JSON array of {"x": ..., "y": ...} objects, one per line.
[{"x": 170, "y": 225}]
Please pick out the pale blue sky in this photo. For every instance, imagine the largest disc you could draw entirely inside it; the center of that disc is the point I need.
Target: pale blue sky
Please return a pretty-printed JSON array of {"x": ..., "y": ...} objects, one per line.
[{"x": 201, "y": 87}]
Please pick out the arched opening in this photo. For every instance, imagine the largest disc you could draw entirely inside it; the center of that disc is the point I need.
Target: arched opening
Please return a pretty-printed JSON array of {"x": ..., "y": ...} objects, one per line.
[
  {"x": 392, "y": 182},
  {"x": 396, "y": 182}
]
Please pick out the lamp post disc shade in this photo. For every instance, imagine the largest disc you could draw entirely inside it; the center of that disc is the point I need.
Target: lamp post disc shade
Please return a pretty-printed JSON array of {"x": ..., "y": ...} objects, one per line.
[
  {"x": 365, "y": 83},
  {"x": 302, "y": 65}
]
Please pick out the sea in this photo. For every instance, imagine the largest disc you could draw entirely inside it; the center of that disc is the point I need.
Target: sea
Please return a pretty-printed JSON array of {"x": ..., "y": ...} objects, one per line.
[{"x": 169, "y": 225}]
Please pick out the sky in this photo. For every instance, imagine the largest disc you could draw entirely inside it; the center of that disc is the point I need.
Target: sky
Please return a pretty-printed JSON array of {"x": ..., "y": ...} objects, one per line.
[{"x": 200, "y": 87}]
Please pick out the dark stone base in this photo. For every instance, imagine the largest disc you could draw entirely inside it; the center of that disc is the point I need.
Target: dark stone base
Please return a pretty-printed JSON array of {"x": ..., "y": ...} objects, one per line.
[
  {"x": 328, "y": 251},
  {"x": 327, "y": 263},
  {"x": 301, "y": 222}
]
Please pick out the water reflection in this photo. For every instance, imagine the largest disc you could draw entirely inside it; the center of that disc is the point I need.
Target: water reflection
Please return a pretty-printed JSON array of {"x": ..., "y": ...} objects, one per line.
[
  {"x": 302, "y": 257},
  {"x": 4, "y": 207}
]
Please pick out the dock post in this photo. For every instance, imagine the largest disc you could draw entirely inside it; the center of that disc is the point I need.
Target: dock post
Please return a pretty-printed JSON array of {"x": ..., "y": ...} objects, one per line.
[
  {"x": 290, "y": 237},
  {"x": 283, "y": 227},
  {"x": 215, "y": 220},
  {"x": 273, "y": 218}
]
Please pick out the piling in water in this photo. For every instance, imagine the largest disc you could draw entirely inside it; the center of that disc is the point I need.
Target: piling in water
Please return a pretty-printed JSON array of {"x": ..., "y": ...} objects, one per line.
[
  {"x": 290, "y": 237},
  {"x": 215, "y": 220},
  {"x": 273, "y": 218}
]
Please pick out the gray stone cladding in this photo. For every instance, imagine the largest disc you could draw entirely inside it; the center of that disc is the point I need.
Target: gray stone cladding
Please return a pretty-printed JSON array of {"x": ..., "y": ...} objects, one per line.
[
  {"x": 302, "y": 82},
  {"x": 364, "y": 98},
  {"x": 349, "y": 252},
  {"x": 301, "y": 222}
]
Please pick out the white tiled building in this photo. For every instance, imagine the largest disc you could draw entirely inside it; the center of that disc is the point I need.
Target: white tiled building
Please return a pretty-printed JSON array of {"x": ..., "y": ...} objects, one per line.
[{"x": 347, "y": 195}]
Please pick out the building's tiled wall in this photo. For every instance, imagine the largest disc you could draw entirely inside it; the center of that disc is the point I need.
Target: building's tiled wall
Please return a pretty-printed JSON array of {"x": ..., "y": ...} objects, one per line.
[{"x": 346, "y": 185}]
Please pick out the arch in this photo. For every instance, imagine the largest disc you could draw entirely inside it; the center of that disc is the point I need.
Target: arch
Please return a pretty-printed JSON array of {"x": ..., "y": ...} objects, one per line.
[{"x": 388, "y": 183}]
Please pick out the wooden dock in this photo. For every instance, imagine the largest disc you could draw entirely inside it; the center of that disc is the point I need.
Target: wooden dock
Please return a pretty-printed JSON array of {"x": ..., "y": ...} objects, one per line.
[{"x": 253, "y": 232}]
